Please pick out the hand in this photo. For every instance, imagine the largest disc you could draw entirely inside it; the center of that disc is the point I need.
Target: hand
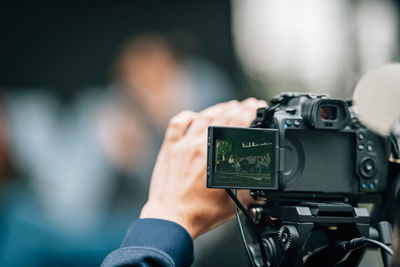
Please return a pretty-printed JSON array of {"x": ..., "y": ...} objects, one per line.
[{"x": 178, "y": 189}]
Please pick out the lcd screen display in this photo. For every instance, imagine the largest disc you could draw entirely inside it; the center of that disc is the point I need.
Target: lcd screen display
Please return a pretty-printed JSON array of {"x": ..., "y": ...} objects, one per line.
[{"x": 243, "y": 158}]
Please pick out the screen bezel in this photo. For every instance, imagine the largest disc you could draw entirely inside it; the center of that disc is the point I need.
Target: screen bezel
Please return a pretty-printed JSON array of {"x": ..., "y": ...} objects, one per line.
[{"x": 214, "y": 133}]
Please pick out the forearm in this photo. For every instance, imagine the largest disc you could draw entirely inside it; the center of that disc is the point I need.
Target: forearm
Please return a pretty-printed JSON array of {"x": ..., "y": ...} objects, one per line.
[{"x": 153, "y": 242}]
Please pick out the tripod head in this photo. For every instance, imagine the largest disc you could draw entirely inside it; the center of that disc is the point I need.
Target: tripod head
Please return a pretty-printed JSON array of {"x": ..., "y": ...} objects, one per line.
[{"x": 310, "y": 234}]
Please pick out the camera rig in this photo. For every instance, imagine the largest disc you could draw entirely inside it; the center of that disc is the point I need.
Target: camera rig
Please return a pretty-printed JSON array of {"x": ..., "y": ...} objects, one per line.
[{"x": 317, "y": 228}]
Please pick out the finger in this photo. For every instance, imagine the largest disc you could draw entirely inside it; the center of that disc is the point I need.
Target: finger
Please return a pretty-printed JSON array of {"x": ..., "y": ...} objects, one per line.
[
  {"x": 241, "y": 116},
  {"x": 208, "y": 116},
  {"x": 247, "y": 112},
  {"x": 219, "y": 106},
  {"x": 178, "y": 125},
  {"x": 253, "y": 103}
]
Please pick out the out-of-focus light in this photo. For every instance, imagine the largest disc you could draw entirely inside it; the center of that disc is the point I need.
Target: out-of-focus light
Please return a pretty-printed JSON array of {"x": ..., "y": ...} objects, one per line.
[
  {"x": 377, "y": 36},
  {"x": 309, "y": 44}
]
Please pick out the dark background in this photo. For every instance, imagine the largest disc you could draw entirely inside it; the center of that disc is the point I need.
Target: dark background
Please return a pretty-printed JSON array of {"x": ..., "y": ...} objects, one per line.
[{"x": 69, "y": 45}]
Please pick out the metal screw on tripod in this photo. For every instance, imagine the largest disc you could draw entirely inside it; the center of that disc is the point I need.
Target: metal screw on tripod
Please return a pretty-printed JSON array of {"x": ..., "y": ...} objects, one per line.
[
  {"x": 256, "y": 214},
  {"x": 288, "y": 237}
]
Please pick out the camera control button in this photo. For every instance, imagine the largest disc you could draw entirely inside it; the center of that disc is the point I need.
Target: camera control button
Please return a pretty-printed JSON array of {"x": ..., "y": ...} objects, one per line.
[
  {"x": 370, "y": 148},
  {"x": 360, "y": 147},
  {"x": 289, "y": 123},
  {"x": 368, "y": 168},
  {"x": 372, "y": 186},
  {"x": 361, "y": 136},
  {"x": 364, "y": 186},
  {"x": 296, "y": 123}
]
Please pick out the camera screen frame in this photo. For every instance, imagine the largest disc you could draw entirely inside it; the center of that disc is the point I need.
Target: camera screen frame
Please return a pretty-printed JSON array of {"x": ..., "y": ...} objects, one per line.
[{"x": 223, "y": 133}]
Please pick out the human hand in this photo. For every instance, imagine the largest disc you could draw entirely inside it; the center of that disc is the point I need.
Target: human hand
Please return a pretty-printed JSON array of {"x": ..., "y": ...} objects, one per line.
[{"x": 178, "y": 189}]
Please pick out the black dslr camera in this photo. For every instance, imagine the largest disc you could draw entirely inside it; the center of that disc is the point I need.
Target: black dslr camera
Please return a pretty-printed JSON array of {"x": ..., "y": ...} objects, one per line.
[
  {"x": 313, "y": 161},
  {"x": 304, "y": 146}
]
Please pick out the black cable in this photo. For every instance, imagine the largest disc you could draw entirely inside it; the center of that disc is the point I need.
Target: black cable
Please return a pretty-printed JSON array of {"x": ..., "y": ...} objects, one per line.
[
  {"x": 253, "y": 226},
  {"x": 358, "y": 242},
  {"x": 240, "y": 205},
  {"x": 338, "y": 251},
  {"x": 379, "y": 244},
  {"x": 242, "y": 233}
]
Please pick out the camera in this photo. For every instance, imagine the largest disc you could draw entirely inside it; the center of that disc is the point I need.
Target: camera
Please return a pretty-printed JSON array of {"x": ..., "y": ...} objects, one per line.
[
  {"x": 312, "y": 162},
  {"x": 303, "y": 147}
]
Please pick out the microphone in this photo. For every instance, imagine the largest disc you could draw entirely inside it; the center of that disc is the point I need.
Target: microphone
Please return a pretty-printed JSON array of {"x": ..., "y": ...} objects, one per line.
[{"x": 376, "y": 99}]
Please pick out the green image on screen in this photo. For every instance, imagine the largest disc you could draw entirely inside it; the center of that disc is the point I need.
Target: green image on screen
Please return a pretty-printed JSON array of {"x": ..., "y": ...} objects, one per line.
[{"x": 243, "y": 163}]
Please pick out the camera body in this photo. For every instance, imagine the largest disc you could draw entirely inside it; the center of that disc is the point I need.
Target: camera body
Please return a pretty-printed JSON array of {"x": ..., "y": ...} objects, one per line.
[{"x": 303, "y": 147}]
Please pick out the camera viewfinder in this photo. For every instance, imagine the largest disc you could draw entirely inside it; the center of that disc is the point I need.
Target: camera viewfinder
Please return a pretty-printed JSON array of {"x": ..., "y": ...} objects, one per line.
[{"x": 327, "y": 112}]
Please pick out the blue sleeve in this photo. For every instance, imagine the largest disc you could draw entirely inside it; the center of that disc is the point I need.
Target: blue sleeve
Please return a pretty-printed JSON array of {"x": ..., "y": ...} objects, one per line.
[{"x": 153, "y": 242}]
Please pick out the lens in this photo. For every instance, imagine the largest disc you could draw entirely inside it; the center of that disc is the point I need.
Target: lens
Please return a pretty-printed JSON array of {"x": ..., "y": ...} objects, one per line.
[{"x": 328, "y": 113}]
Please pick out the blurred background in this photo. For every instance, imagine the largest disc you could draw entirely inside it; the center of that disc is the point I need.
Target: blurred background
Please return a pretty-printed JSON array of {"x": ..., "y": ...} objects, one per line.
[{"x": 87, "y": 88}]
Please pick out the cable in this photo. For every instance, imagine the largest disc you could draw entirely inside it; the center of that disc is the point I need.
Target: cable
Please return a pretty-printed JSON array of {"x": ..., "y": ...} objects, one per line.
[
  {"x": 246, "y": 213},
  {"x": 237, "y": 202},
  {"x": 358, "y": 242},
  {"x": 242, "y": 233},
  {"x": 339, "y": 251},
  {"x": 379, "y": 244}
]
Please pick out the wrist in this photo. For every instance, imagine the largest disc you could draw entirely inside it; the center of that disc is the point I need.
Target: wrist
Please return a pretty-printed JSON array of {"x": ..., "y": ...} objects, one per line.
[{"x": 178, "y": 216}]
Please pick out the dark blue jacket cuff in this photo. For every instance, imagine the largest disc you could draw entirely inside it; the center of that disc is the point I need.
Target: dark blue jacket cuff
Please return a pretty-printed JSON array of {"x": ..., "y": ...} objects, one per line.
[{"x": 164, "y": 235}]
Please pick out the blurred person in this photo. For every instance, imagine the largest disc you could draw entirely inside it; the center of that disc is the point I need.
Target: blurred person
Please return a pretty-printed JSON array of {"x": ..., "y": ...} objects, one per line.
[
  {"x": 152, "y": 81},
  {"x": 52, "y": 208},
  {"x": 89, "y": 161},
  {"x": 23, "y": 224}
]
